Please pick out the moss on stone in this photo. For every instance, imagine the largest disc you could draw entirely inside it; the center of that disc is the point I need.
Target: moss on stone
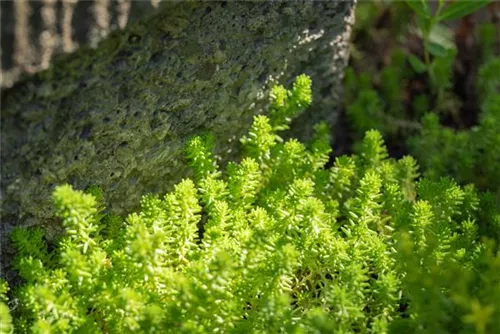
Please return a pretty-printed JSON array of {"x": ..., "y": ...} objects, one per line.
[{"x": 118, "y": 116}]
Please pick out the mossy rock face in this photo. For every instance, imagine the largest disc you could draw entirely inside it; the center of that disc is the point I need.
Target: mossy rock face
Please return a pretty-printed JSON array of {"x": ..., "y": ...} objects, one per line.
[{"x": 119, "y": 115}]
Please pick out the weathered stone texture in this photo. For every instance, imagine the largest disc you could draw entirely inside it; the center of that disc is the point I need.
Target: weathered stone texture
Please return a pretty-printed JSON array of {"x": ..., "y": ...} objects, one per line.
[
  {"x": 118, "y": 116},
  {"x": 33, "y": 31}
]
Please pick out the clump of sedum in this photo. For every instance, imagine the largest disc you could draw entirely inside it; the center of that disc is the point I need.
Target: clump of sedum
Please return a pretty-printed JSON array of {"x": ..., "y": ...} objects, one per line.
[{"x": 274, "y": 243}]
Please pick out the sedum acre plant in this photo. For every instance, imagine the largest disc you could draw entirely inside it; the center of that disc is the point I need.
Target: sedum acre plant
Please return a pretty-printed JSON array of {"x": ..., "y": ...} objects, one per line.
[{"x": 274, "y": 243}]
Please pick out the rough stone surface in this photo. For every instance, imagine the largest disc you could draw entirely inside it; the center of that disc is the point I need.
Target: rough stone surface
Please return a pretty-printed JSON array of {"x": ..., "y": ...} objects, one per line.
[
  {"x": 33, "y": 31},
  {"x": 118, "y": 116}
]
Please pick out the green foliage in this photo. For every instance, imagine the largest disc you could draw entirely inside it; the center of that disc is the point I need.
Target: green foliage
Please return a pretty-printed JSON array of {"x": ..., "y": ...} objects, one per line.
[
  {"x": 5, "y": 320},
  {"x": 5, "y": 317},
  {"x": 486, "y": 35},
  {"x": 472, "y": 155},
  {"x": 413, "y": 118},
  {"x": 460, "y": 9},
  {"x": 428, "y": 23},
  {"x": 378, "y": 104},
  {"x": 273, "y": 243}
]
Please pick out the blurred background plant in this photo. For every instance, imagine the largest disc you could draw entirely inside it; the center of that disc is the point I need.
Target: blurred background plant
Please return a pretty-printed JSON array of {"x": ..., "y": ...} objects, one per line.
[{"x": 426, "y": 74}]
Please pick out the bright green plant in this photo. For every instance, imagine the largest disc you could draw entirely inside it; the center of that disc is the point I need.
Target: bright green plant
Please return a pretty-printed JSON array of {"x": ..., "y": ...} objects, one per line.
[
  {"x": 275, "y": 243},
  {"x": 5, "y": 317}
]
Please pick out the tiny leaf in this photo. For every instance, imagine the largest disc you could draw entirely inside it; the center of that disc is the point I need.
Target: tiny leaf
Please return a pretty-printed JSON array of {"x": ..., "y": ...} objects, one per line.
[
  {"x": 436, "y": 49},
  {"x": 460, "y": 9},
  {"x": 418, "y": 65},
  {"x": 419, "y": 7}
]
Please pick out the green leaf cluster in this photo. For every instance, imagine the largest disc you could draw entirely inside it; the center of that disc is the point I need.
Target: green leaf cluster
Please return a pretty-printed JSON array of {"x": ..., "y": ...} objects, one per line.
[
  {"x": 428, "y": 23},
  {"x": 387, "y": 100},
  {"x": 471, "y": 155},
  {"x": 274, "y": 243}
]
